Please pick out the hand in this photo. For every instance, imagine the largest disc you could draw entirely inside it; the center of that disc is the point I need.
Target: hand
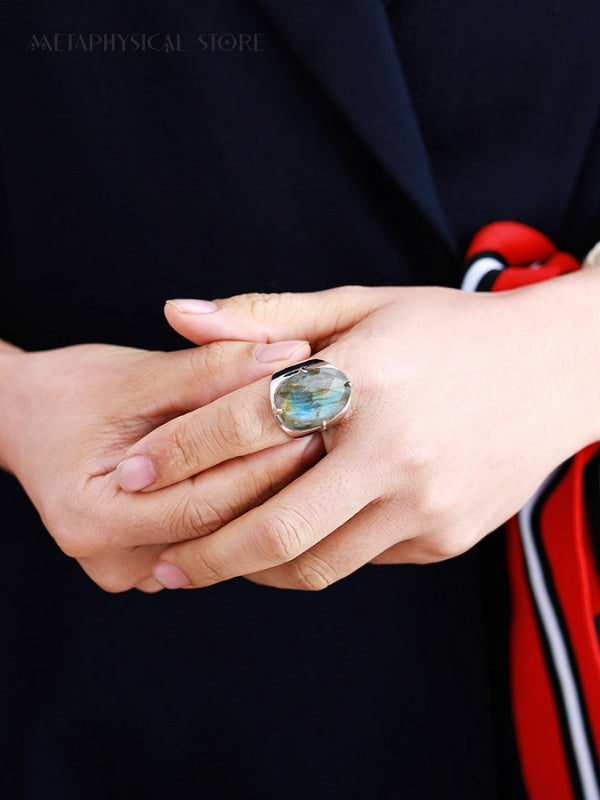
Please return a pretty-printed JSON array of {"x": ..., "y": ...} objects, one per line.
[
  {"x": 456, "y": 418},
  {"x": 68, "y": 417}
]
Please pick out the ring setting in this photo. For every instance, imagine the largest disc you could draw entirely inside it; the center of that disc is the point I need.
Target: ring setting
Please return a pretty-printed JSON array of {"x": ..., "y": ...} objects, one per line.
[{"x": 308, "y": 397}]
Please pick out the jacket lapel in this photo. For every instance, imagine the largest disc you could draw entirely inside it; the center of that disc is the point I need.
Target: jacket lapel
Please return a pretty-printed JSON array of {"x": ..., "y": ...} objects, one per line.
[{"x": 349, "y": 48}]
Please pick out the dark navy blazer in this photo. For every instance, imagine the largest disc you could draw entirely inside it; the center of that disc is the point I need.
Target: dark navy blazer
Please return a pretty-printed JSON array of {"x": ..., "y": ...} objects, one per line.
[{"x": 349, "y": 144}]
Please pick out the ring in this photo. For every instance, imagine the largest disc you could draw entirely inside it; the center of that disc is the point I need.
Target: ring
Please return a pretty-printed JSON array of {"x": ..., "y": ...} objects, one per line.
[{"x": 309, "y": 396}]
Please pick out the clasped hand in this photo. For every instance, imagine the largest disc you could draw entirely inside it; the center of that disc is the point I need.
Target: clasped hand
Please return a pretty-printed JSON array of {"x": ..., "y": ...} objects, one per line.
[
  {"x": 168, "y": 469},
  {"x": 70, "y": 415},
  {"x": 452, "y": 427}
]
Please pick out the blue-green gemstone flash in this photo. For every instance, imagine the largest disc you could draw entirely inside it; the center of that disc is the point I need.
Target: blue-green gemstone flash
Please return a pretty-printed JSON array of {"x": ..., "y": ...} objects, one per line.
[{"x": 311, "y": 396}]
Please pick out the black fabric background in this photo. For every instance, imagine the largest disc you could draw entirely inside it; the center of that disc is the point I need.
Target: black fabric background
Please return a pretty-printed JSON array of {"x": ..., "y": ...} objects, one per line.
[{"x": 130, "y": 179}]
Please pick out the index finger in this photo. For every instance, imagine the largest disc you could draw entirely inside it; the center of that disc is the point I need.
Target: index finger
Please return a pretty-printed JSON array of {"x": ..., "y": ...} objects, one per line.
[{"x": 234, "y": 423}]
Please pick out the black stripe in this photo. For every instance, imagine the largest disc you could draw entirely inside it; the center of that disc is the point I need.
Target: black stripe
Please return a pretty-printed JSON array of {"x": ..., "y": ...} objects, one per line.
[
  {"x": 591, "y": 488},
  {"x": 486, "y": 254},
  {"x": 487, "y": 281},
  {"x": 553, "y": 675}
]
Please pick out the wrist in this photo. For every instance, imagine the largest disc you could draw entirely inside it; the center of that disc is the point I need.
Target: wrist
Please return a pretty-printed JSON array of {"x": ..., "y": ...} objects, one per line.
[
  {"x": 562, "y": 336},
  {"x": 10, "y": 357}
]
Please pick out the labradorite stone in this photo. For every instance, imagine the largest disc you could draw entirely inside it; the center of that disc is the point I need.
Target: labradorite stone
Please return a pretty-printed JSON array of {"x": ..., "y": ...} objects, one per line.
[{"x": 312, "y": 396}]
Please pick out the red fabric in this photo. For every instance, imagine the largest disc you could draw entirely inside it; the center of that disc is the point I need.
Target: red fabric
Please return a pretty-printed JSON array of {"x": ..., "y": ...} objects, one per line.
[
  {"x": 573, "y": 569},
  {"x": 520, "y": 245},
  {"x": 514, "y": 277},
  {"x": 536, "y": 721},
  {"x": 566, "y": 547}
]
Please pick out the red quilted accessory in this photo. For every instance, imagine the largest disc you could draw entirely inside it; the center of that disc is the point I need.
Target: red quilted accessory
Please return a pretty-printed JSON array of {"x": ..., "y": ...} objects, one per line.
[{"x": 553, "y": 552}]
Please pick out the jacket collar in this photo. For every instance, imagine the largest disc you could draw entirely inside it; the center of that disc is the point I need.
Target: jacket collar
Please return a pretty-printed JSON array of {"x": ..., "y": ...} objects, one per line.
[{"x": 349, "y": 48}]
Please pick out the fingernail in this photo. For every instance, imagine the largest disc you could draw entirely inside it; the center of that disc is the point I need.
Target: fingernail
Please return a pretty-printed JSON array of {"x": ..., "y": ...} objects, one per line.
[
  {"x": 193, "y": 306},
  {"x": 278, "y": 350},
  {"x": 135, "y": 473},
  {"x": 170, "y": 576}
]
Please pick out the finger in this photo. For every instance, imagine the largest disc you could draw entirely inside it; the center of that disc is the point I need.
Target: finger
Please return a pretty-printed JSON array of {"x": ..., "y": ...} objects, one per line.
[
  {"x": 347, "y": 549},
  {"x": 122, "y": 568},
  {"x": 238, "y": 424},
  {"x": 193, "y": 508},
  {"x": 269, "y": 317},
  {"x": 278, "y": 531},
  {"x": 173, "y": 383},
  {"x": 381, "y": 534}
]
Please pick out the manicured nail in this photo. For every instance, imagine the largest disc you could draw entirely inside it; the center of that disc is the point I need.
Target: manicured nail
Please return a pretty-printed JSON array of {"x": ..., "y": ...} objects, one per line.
[
  {"x": 170, "y": 576},
  {"x": 278, "y": 351},
  {"x": 193, "y": 306},
  {"x": 135, "y": 473}
]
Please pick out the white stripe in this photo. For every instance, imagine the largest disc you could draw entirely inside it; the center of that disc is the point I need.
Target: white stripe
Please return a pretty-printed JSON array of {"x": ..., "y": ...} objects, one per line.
[
  {"x": 558, "y": 649},
  {"x": 478, "y": 270}
]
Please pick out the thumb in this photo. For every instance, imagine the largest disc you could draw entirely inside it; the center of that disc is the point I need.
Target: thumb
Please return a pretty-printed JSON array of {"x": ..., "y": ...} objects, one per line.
[{"x": 271, "y": 317}]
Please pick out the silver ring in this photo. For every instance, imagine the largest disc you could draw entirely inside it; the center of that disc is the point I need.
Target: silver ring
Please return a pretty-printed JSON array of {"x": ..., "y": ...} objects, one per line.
[{"x": 309, "y": 396}]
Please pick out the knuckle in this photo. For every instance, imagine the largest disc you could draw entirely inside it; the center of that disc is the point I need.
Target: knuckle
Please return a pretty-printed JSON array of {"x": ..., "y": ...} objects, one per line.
[
  {"x": 207, "y": 362},
  {"x": 427, "y": 491},
  {"x": 257, "y": 483},
  {"x": 71, "y": 546},
  {"x": 196, "y": 518},
  {"x": 204, "y": 571},
  {"x": 260, "y": 484},
  {"x": 258, "y": 302},
  {"x": 261, "y": 307},
  {"x": 183, "y": 451},
  {"x": 284, "y": 535},
  {"x": 68, "y": 543},
  {"x": 241, "y": 425},
  {"x": 444, "y": 546},
  {"x": 66, "y": 527},
  {"x": 261, "y": 302},
  {"x": 206, "y": 518},
  {"x": 431, "y": 506},
  {"x": 312, "y": 574},
  {"x": 63, "y": 534},
  {"x": 412, "y": 454}
]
